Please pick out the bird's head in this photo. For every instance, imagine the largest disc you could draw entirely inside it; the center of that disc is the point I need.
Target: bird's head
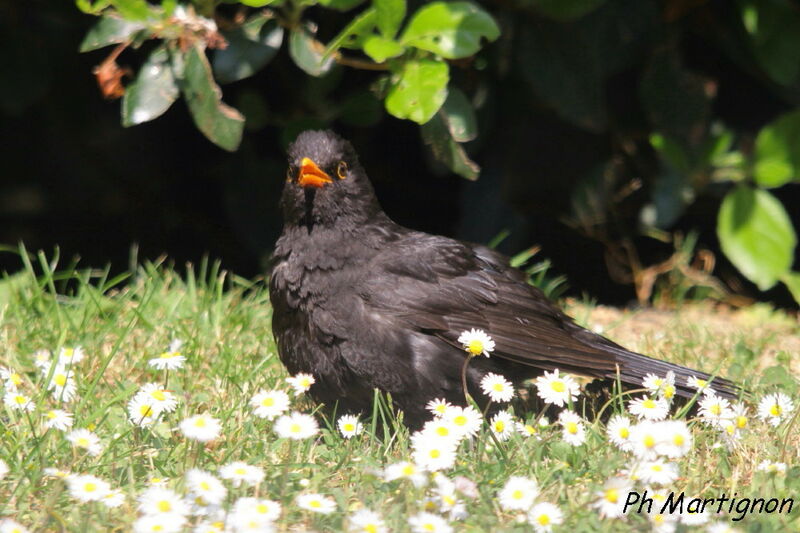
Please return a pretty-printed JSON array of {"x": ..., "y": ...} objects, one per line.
[{"x": 325, "y": 183}]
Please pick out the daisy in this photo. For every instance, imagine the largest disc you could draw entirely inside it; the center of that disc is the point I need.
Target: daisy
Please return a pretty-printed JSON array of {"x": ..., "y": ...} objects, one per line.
[
  {"x": 700, "y": 385},
  {"x": 160, "y": 398},
  {"x": 142, "y": 411},
  {"x": 41, "y": 359},
  {"x": 297, "y": 426},
  {"x": 574, "y": 432},
  {"x": 644, "y": 438},
  {"x": 675, "y": 441},
  {"x": 694, "y": 518},
  {"x": 209, "y": 527},
  {"x": 366, "y": 521},
  {"x": 17, "y": 401},
  {"x": 58, "y": 419},
  {"x": 502, "y": 425},
  {"x": 269, "y": 404},
  {"x": 113, "y": 499},
  {"x": 239, "y": 472},
  {"x": 647, "y": 408},
  {"x": 163, "y": 501},
  {"x": 405, "y": 470},
  {"x": 62, "y": 384},
  {"x": 518, "y": 493},
  {"x": 204, "y": 485},
  {"x": 57, "y": 473},
  {"x": 557, "y": 389},
  {"x": 3, "y": 469},
  {"x": 497, "y": 388},
  {"x": 441, "y": 428},
  {"x": 773, "y": 408},
  {"x": 70, "y": 356},
  {"x": 543, "y": 516},
  {"x": 171, "y": 359},
  {"x": 476, "y": 342},
  {"x": 619, "y": 432},
  {"x": 202, "y": 428},
  {"x": 721, "y": 527},
  {"x": 349, "y": 426},
  {"x": 301, "y": 383},
  {"x": 715, "y": 410},
  {"x": 527, "y": 430},
  {"x": 316, "y": 503},
  {"x": 772, "y": 468},
  {"x": 159, "y": 523},
  {"x": 438, "y": 407},
  {"x": 611, "y": 500},
  {"x": 741, "y": 416},
  {"x": 11, "y": 526},
  {"x": 250, "y": 511},
  {"x": 468, "y": 419},
  {"x": 433, "y": 454},
  {"x": 657, "y": 472},
  {"x": 86, "y": 488},
  {"x": 425, "y": 522},
  {"x": 11, "y": 378},
  {"x": 83, "y": 438}
]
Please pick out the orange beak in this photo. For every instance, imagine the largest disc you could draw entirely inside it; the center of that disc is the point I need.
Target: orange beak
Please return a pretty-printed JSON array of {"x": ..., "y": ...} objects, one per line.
[{"x": 310, "y": 175}]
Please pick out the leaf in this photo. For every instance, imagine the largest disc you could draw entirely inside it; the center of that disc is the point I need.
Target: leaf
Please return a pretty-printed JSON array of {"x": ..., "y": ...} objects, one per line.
[
  {"x": 450, "y": 29},
  {"x": 308, "y": 53},
  {"x": 359, "y": 26},
  {"x": 380, "y": 49},
  {"x": 756, "y": 235},
  {"x": 132, "y": 9},
  {"x": 250, "y": 47},
  {"x": 566, "y": 10},
  {"x": 92, "y": 8},
  {"x": 419, "y": 90},
  {"x": 777, "y": 375},
  {"x": 153, "y": 92},
  {"x": 390, "y": 16},
  {"x": 792, "y": 282},
  {"x": 110, "y": 30},
  {"x": 436, "y": 135},
  {"x": 340, "y": 5},
  {"x": 459, "y": 116},
  {"x": 773, "y": 34},
  {"x": 778, "y": 151},
  {"x": 220, "y": 123}
]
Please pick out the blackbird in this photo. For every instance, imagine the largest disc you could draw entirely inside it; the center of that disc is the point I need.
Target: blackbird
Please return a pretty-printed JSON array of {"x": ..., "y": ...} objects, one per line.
[{"x": 362, "y": 303}]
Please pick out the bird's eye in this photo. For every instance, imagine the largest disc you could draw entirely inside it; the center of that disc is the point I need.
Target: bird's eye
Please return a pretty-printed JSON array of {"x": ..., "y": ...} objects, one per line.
[{"x": 342, "y": 170}]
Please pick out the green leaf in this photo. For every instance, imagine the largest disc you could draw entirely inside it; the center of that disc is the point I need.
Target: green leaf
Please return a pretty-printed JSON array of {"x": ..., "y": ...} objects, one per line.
[
  {"x": 220, "y": 123},
  {"x": 153, "y": 92},
  {"x": 110, "y": 30},
  {"x": 250, "y": 47},
  {"x": 566, "y": 10},
  {"x": 450, "y": 29},
  {"x": 777, "y": 375},
  {"x": 671, "y": 151},
  {"x": 436, "y": 135},
  {"x": 459, "y": 116},
  {"x": 756, "y": 235},
  {"x": 340, "y": 5},
  {"x": 308, "y": 53},
  {"x": 92, "y": 8},
  {"x": 778, "y": 151},
  {"x": 773, "y": 33},
  {"x": 418, "y": 90},
  {"x": 359, "y": 26},
  {"x": 132, "y": 9},
  {"x": 380, "y": 49},
  {"x": 792, "y": 282},
  {"x": 390, "y": 16}
]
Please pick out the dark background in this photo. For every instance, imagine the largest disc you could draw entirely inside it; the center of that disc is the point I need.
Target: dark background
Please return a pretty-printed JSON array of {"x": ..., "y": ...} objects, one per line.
[{"x": 73, "y": 177}]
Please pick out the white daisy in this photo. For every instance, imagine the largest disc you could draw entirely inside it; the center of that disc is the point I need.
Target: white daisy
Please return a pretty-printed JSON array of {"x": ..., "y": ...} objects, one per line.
[
  {"x": 161, "y": 399},
  {"x": 11, "y": 526},
  {"x": 239, "y": 472},
  {"x": 647, "y": 408},
  {"x": 57, "y": 473},
  {"x": 202, "y": 428},
  {"x": 695, "y": 518},
  {"x": 543, "y": 516},
  {"x": 18, "y": 401},
  {"x": 204, "y": 485},
  {"x": 301, "y": 383},
  {"x": 772, "y": 467},
  {"x": 503, "y": 425},
  {"x": 349, "y": 426},
  {"x": 700, "y": 385},
  {"x": 442, "y": 428},
  {"x": 142, "y": 411},
  {"x": 518, "y": 493},
  {"x": 405, "y": 470},
  {"x": 715, "y": 410},
  {"x": 574, "y": 432},
  {"x": 3, "y": 469},
  {"x": 62, "y": 383},
  {"x": 41, "y": 359},
  {"x": 476, "y": 342},
  {"x": 619, "y": 432},
  {"x": 162, "y": 501},
  {"x": 172, "y": 359},
  {"x": 527, "y": 430},
  {"x": 297, "y": 426},
  {"x": 611, "y": 500},
  {"x": 433, "y": 454},
  {"x": 557, "y": 389},
  {"x": 83, "y": 438},
  {"x": 497, "y": 388},
  {"x": 774, "y": 408},
  {"x": 721, "y": 527},
  {"x": 316, "y": 503},
  {"x": 438, "y": 407},
  {"x": 657, "y": 472},
  {"x": 425, "y": 522},
  {"x": 644, "y": 438},
  {"x": 86, "y": 488},
  {"x": 269, "y": 404},
  {"x": 11, "y": 378},
  {"x": 741, "y": 416},
  {"x": 468, "y": 419},
  {"x": 159, "y": 523},
  {"x": 113, "y": 499},
  {"x": 70, "y": 356},
  {"x": 254, "y": 514},
  {"x": 676, "y": 439},
  {"x": 58, "y": 419},
  {"x": 366, "y": 521}
]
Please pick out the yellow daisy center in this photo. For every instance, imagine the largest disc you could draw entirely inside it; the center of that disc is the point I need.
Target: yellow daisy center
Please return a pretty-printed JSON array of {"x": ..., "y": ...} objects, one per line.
[
  {"x": 499, "y": 426},
  {"x": 408, "y": 470},
  {"x": 612, "y": 495},
  {"x": 19, "y": 399},
  {"x": 240, "y": 471},
  {"x": 715, "y": 409},
  {"x": 558, "y": 386},
  {"x": 262, "y": 509},
  {"x": 164, "y": 506},
  {"x": 429, "y": 527},
  {"x": 499, "y": 387},
  {"x": 90, "y": 487},
  {"x": 649, "y": 404},
  {"x": 656, "y": 468},
  {"x": 204, "y": 485},
  {"x": 741, "y": 422},
  {"x": 200, "y": 423},
  {"x": 669, "y": 391},
  {"x": 517, "y": 494},
  {"x": 543, "y": 519},
  {"x": 649, "y": 441},
  {"x": 15, "y": 378},
  {"x": 158, "y": 395},
  {"x": 441, "y": 408},
  {"x": 60, "y": 379},
  {"x": 572, "y": 427},
  {"x": 83, "y": 442},
  {"x": 775, "y": 410},
  {"x": 169, "y": 355},
  {"x": 350, "y": 427},
  {"x": 305, "y": 383},
  {"x": 475, "y": 347},
  {"x": 678, "y": 440},
  {"x": 295, "y": 428},
  {"x": 371, "y": 528},
  {"x": 268, "y": 401},
  {"x": 435, "y": 454},
  {"x": 624, "y": 433},
  {"x": 315, "y": 504},
  {"x": 145, "y": 410},
  {"x": 51, "y": 415},
  {"x": 460, "y": 420}
]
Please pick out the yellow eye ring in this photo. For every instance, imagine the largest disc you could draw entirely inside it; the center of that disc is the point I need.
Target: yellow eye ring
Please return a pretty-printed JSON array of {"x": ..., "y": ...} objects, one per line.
[{"x": 341, "y": 170}]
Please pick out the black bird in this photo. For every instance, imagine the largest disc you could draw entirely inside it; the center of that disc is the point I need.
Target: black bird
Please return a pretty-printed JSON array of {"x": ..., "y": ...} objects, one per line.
[{"x": 363, "y": 303}]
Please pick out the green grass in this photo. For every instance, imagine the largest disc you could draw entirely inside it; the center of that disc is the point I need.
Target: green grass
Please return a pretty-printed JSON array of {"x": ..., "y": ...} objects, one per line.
[{"x": 224, "y": 322}]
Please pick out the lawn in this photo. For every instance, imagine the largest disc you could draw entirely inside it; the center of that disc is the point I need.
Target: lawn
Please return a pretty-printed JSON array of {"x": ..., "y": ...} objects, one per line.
[{"x": 155, "y": 468}]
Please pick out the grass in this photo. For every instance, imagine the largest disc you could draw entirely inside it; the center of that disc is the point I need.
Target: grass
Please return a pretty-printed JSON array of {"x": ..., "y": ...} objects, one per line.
[{"x": 224, "y": 322}]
